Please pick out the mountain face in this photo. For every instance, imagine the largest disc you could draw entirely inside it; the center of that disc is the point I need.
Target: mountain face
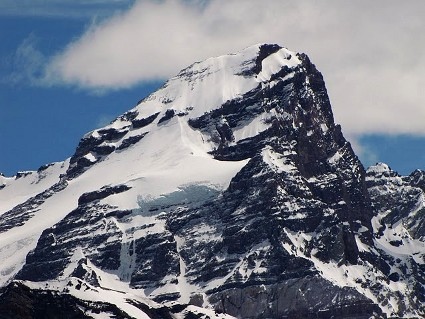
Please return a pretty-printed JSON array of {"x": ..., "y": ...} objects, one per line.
[{"x": 229, "y": 192}]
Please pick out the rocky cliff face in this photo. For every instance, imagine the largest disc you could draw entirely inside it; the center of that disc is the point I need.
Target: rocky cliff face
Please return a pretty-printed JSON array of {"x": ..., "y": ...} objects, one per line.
[{"x": 228, "y": 192}]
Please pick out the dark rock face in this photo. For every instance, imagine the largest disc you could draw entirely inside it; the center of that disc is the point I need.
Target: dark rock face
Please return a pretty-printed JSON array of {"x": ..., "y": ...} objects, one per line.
[
  {"x": 169, "y": 114},
  {"x": 57, "y": 244},
  {"x": 398, "y": 202},
  {"x": 139, "y": 123},
  {"x": 20, "y": 302},
  {"x": 305, "y": 297},
  {"x": 131, "y": 141},
  {"x": 417, "y": 179},
  {"x": 322, "y": 193},
  {"x": 102, "y": 193},
  {"x": 265, "y": 51},
  {"x": 304, "y": 137},
  {"x": 22, "y": 174},
  {"x": 157, "y": 258},
  {"x": 96, "y": 146},
  {"x": 327, "y": 184},
  {"x": 399, "y": 197}
]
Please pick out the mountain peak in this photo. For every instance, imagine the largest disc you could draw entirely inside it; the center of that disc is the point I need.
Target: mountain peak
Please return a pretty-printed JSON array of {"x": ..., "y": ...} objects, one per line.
[
  {"x": 229, "y": 190},
  {"x": 195, "y": 91},
  {"x": 208, "y": 84}
]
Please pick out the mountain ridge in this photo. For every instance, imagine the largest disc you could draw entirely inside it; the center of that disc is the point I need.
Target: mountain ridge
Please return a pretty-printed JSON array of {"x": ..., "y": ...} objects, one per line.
[{"x": 230, "y": 189}]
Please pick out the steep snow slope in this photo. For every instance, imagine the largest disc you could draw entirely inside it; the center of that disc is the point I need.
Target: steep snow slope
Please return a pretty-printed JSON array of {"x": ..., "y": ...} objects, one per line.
[
  {"x": 18, "y": 189},
  {"x": 230, "y": 189}
]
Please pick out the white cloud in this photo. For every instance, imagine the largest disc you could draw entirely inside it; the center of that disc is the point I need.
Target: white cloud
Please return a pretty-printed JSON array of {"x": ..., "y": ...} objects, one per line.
[{"x": 370, "y": 52}]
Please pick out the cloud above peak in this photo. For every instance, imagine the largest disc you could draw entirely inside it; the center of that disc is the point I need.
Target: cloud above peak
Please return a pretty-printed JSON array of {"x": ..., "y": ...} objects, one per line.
[
  {"x": 150, "y": 41},
  {"x": 369, "y": 52}
]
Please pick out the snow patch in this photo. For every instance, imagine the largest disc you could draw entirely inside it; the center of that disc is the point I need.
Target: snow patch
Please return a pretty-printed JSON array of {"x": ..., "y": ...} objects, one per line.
[
  {"x": 277, "y": 162},
  {"x": 257, "y": 125}
]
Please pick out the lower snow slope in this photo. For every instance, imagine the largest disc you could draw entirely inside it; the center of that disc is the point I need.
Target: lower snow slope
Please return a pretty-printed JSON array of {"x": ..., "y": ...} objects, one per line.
[{"x": 171, "y": 157}]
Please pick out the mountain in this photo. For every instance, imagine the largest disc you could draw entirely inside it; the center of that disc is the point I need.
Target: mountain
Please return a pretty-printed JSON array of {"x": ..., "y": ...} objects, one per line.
[{"x": 229, "y": 192}]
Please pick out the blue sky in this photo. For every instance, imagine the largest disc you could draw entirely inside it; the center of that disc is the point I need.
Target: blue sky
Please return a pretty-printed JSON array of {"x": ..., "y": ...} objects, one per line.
[
  {"x": 67, "y": 67},
  {"x": 42, "y": 123}
]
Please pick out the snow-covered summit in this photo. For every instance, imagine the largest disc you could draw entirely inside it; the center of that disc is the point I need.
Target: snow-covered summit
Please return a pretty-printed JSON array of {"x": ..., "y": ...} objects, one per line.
[
  {"x": 195, "y": 91},
  {"x": 207, "y": 85}
]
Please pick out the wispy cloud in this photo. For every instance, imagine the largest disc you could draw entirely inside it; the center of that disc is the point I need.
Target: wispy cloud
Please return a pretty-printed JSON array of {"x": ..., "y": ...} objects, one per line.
[
  {"x": 370, "y": 52},
  {"x": 28, "y": 64}
]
